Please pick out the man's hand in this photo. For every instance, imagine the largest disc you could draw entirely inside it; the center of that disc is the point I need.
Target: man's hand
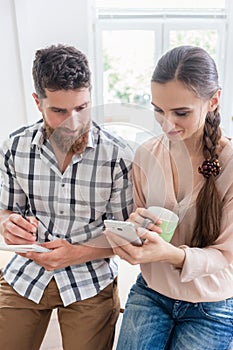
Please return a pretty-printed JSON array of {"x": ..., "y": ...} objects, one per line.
[
  {"x": 17, "y": 230},
  {"x": 64, "y": 254}
]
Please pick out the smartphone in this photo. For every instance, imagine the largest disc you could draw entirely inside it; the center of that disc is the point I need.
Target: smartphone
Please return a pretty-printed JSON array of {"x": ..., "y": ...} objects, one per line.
[{"x": 124, "y": 229}]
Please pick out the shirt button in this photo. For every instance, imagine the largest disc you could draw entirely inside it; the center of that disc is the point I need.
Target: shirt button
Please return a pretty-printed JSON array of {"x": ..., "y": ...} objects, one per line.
[
  {"x": 62, "y": 185},
  {"x": 61, "y": 211}
]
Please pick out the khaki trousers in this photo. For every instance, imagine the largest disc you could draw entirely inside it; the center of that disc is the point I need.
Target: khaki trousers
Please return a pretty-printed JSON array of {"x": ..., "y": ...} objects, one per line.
[{"x": 85, "y": 325}]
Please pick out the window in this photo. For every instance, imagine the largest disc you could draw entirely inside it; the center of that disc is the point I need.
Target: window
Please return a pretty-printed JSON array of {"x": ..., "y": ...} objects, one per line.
[{"x": 132, "y": 35}]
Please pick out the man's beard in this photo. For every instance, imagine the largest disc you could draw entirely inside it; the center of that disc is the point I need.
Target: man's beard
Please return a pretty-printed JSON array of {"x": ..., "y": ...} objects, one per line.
[{"x": 74, "y": 144}]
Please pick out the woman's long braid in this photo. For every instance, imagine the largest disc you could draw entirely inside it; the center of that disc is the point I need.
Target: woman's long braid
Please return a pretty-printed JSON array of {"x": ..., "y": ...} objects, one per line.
[{"x": 208, "y": 204}]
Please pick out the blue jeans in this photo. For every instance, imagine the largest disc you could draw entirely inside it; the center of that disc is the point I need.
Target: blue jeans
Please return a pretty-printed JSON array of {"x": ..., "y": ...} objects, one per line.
[{"x": 153, "y": 321}]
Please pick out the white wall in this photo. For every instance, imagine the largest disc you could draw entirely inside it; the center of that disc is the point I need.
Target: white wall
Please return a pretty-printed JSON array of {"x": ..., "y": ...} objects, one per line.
[
  {"x": 12, "y": 105},
  {"x": 25, "y": 26}
]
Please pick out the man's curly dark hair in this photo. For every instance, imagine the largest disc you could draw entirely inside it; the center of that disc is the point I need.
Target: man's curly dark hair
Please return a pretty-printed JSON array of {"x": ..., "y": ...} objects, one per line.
[{"x": 60, "y": 67}]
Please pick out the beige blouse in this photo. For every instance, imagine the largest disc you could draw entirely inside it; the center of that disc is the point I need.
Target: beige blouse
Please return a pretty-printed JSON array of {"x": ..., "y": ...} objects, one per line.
[{"x": 207, "y": 274}]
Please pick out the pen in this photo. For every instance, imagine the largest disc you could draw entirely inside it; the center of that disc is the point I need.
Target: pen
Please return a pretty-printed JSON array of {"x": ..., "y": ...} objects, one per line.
[
  {"x": 50, "y": 236},
  {"x": 23, "y": 215},
  {"x": 21, "y": 212}
]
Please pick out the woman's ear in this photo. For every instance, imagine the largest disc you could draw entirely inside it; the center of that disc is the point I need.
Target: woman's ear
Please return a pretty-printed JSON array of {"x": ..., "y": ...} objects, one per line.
[
  {"x": 214, "y": 101},
  {"x": 37, "y": 100}
]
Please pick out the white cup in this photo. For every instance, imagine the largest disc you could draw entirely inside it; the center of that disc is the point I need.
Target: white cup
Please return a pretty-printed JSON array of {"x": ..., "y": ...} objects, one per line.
[{"x": 169, "y": 221}]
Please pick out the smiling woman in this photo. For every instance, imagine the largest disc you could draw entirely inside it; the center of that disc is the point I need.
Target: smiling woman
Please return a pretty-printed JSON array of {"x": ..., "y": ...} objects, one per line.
[
  {"x": 181, "y": 112},
  {"x": 186, "y": 170}
]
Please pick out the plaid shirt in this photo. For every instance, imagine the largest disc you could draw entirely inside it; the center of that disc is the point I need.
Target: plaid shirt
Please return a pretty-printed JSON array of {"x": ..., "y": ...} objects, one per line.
[{"x": 96, "y": 185}]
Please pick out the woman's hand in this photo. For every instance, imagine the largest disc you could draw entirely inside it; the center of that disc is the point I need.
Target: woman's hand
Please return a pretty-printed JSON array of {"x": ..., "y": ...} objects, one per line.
[
  {"x": 154, "y": 249},
  {"x": 144, "y": 218}
]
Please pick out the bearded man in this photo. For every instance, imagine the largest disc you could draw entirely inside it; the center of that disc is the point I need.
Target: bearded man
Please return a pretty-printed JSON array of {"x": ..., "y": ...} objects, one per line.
[{"x": 67, "y": 175}]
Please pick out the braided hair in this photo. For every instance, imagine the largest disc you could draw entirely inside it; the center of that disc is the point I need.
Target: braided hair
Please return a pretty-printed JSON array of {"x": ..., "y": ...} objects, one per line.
[
  {"x": 209, "y": 206},
  {"x": 194, "y": 67}
]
